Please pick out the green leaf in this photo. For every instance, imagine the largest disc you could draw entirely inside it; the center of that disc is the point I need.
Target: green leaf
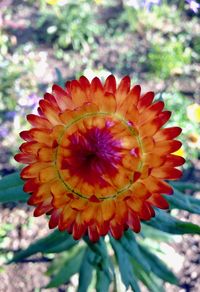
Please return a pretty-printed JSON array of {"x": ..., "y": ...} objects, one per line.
[
  {"x": 130, "y": 244},
  {"x": 165, "y": 222},
  {"x": 150, "y": 281},
  {"x": 182, "y": 201},
  {"x": 103, "y": 282},
  {"x": 44, "y": 245},
  {"x": 70, "y": 267},
  {"x": 158, "y": 267},
  {"x": 85, "y": 273},
  {"x": 11, "y": 180},
  {"x": 125, "y": 266},
  {"x": 11, "y": 189},
  {"x": 13, "y": 194},
  {"x": 182, "y": 186}
]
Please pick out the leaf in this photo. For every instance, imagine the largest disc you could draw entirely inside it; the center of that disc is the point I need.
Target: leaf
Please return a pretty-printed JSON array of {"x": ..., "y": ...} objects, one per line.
[
  {"x": 11, "y": 189},
  {"x": 11, "y": 180},
  {"x": 158, "y": 267},
  {"x": 44, "y": 245},
  {"x": 167, "y": 223},
  {"x": 182, "y": 201},
  {"x": 13, "y": 194},
  {"x": 182, "y": 186},
  {"x": 103, "y": 282},
  {"x": 150, "y": 281},
  {"x": 71, "y": 266},
  {"x": 85, "y": 273},
  {"x": 125, "y": 266},
  {"x": 130, "y": 244}
]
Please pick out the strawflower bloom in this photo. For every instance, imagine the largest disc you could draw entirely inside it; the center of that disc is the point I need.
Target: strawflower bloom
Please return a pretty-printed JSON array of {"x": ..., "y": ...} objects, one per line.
[{"x": 98, "y": 156}]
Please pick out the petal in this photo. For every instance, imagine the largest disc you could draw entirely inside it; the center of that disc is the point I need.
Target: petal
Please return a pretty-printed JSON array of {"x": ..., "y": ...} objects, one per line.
[
  {"x": 50, "y": 112},
  {"x": 108, "y": 209},
  {"x": 93, "y": 233},
  {"x": 131, "y": 99},
  {"x": 156, "y": 185},
  {"x": 166, "y": 172},
  {"x": 62, "y": 97},
  {"x": 158, "y": 201},
  {"x": 167, "y": 133},
  {"x": 174, "y": 160},
  {"x": 133, "y": 221},
  {"x": 25, "y": 158},
  {"x": 48, "y": 174},
  {"x": 77, "y": 93},
  {"x": 37, "y": 121},
  {"x": 145, "y": 100},
  {"x": 110, "y": 84},
  {"x": 166, "y": 147},
  {"x": 116, "y": 229},
  {"x": 33, "y": 170},
  {"x": 123, "y": 89}
]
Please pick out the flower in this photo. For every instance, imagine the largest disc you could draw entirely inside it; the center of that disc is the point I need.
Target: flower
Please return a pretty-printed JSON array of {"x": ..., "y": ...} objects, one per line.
[
  {"x": 98, "y": 156},
  {"x": 193, "y": 112},
  {"x": 180, "y": 152},
  {"x": 193, "y": 5}
]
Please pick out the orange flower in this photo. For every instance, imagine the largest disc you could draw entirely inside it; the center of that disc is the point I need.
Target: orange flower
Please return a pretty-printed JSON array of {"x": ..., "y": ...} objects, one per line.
[{"x": 98, "y": 156}]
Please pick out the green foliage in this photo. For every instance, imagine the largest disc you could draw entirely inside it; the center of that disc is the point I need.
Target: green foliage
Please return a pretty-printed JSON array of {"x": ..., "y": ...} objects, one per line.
[
  {"x": 168, "y": 58},
  {"x": 73, "y": 24}
]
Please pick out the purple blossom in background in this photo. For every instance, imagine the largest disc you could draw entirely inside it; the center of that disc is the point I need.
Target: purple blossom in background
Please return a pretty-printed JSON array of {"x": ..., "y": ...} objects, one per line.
[
  {"x": 194, "y": 6},
  {"x": 30, "y": 101},
  {"x": 147, "y": 4},
  {"x": 3, "y": 132},
  {"x": 10, "y": 115}
]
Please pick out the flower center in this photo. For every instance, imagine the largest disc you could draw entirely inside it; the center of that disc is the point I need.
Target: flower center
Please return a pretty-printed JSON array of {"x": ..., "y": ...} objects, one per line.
[{"x": 95, "y": 156}]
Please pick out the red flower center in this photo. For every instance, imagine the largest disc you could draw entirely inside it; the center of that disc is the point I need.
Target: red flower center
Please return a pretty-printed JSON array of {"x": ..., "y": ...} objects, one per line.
[{"x": 94, "y": 155}]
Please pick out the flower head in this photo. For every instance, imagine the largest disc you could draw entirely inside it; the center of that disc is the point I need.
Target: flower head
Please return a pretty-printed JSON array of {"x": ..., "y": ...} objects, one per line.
[
  {"x": 98, "y": 156},
  {"x": 193, "y": 5},
  {"x": 193, "y": 112}
]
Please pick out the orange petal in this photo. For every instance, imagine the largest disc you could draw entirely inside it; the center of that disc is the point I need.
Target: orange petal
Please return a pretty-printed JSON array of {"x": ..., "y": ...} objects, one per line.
[
  {"x": 25, "y": 158},
  {"x": 166, "y": 147},
  {"x": 123, "y": 89},
  {"x": 108, "y": 209},
  {"x": 167, "y": 133},
  {"x": 50, "y": 112},
  {"x": 131, "y": 100},
  {"x": 48, "y": 174},
  {"x": 77, "y": 93},
  {"x": 33, "y": 170},
  {"x": 59, "y": 193},
  {"x": 150, "y": 112},
  {"x": 166, "y": 172},
  {"x": 62, "y": 97},
  {"x": 85, "y": 85},
  {"x": 156, "y": 185},
  {"x": 45, "y": 154},
  {"x": 174, "y": 160},
  {"x": 145, "y": 100},
  {"x": 79, "y": 228},
  {"x": 37, "y": 121}
]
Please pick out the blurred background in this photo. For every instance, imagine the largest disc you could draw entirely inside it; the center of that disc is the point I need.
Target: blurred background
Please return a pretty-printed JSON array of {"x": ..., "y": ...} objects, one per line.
[{"x": 42, "y": 42}]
